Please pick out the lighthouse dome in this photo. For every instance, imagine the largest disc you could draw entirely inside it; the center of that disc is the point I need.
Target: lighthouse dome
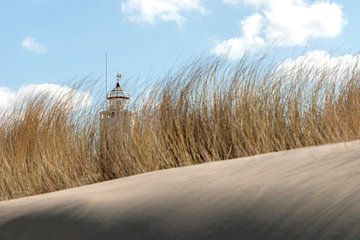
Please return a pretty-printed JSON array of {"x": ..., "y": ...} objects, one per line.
[{"x": 118, "y": 92}]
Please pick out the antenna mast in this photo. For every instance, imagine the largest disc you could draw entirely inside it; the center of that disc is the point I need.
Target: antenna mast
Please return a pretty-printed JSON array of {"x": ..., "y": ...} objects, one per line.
[{"x": 106, "y": 73}]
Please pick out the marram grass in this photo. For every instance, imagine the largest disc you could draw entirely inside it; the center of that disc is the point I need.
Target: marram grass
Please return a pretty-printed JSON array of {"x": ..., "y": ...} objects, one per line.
[{"x": 205, "y": 111}]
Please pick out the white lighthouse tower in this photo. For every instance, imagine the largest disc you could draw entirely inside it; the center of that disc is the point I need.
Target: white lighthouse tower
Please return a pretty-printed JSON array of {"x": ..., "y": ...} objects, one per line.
[{"x": 116, "y": 119}]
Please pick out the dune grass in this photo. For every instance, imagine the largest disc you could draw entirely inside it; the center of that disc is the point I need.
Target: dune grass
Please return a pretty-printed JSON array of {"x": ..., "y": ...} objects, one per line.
[{"x": 206, "y": 111}]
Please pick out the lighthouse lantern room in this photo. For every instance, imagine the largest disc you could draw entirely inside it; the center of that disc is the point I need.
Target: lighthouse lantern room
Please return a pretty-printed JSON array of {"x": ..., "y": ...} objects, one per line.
[{"x": 117, "y": 116}]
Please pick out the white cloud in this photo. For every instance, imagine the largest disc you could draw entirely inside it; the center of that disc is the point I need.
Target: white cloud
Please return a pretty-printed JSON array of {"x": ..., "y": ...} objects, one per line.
[
  {"x": 235, "y": 48},
  {"x": 317, "y": 63},
  {"x": 77, "y": 99},
  {"x": 34, "y": 46},
  {"x": 286, "y": 23},
  {"x": 295, "y": 22},
  {"x": 151, "y": 11},
  {"x": 5, "y": 96}
]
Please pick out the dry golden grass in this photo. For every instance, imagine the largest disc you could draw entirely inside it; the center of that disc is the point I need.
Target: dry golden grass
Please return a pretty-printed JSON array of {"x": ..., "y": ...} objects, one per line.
[{"x": 206, "y": 111}]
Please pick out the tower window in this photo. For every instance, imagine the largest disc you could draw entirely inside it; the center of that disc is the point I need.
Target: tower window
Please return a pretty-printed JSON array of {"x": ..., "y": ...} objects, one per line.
[{"x": 112, "y": 114}]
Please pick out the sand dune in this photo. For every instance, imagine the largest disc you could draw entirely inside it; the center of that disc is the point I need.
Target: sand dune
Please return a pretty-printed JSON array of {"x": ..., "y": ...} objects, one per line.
[{"x": 310, "y": 193}]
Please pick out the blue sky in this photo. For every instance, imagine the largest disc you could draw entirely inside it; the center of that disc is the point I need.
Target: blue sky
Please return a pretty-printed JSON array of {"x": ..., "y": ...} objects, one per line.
[{"x": 48, "y": 41}]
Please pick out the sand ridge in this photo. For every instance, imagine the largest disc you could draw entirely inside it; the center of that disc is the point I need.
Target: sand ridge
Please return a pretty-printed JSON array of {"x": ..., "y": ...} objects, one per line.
[{"x": 309, "y": 193}]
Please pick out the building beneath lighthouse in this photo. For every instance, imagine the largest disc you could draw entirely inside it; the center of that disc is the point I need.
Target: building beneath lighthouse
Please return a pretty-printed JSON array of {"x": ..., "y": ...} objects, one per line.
[{"x": 116, "y": 120}]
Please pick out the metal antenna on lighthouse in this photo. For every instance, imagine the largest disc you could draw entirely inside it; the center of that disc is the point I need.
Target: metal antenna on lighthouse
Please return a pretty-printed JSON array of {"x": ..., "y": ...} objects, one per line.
[{"x": 106, "y": 73}]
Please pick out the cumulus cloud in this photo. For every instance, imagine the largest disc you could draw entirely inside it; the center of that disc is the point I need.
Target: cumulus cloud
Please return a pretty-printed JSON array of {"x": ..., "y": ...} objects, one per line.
[
  {"x": 5, "y": 96},
  {"x": 76, "y": 98},
  {"x": 235, "y": 48},
  {"x": 295, "y": 22},
  {"x": 284, "y": 23},
  {"x": 152, "y": 11},
  {"x": 316, "y": 63},
  {"x": 34, "y": 46}
]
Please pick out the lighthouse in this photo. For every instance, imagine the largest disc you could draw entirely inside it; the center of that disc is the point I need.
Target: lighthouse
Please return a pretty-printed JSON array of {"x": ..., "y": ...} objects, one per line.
[{"x": 116, "y": 119}]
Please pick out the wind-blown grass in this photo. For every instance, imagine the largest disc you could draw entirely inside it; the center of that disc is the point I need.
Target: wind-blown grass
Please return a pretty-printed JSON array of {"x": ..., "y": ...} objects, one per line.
[{"x": 205, "y": 111}]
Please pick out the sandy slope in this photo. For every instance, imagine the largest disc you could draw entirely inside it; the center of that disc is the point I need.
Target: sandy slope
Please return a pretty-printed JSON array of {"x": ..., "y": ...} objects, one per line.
[{"x": 311, "y": 193}]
